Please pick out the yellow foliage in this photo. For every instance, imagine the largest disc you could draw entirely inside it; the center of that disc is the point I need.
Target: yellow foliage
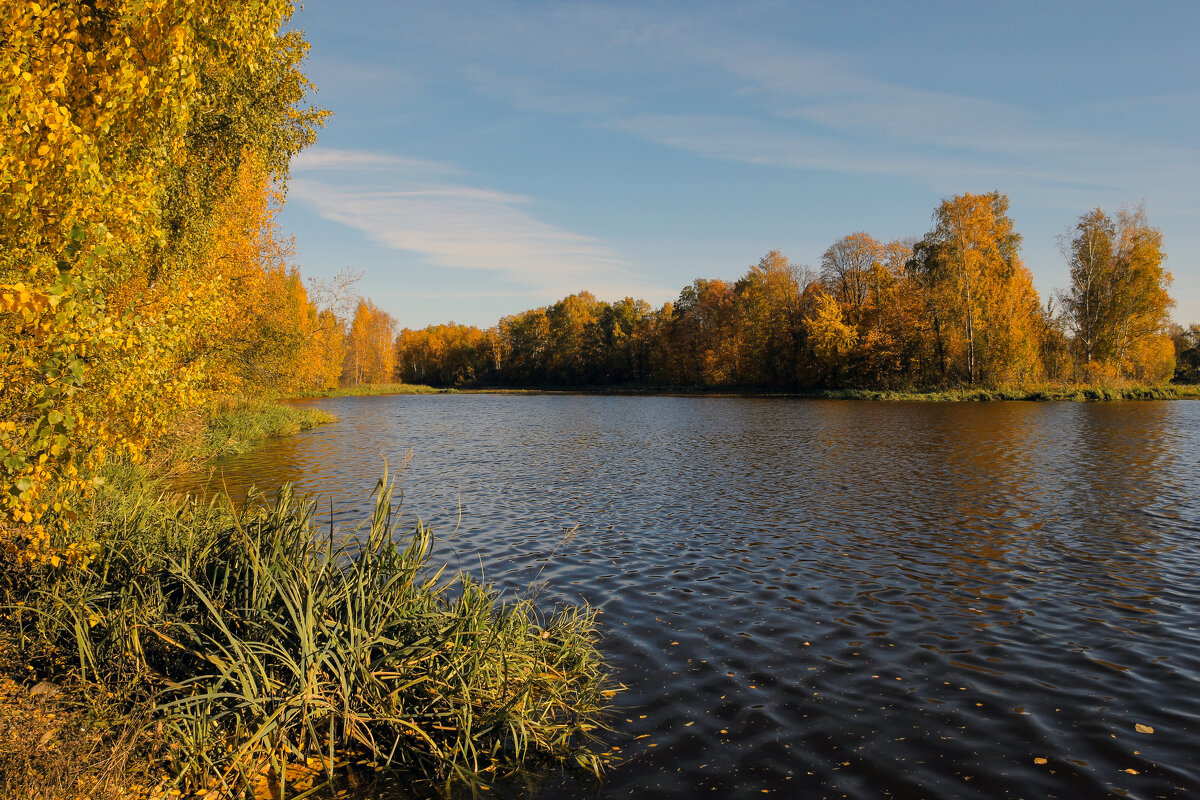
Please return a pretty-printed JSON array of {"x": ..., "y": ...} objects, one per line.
[
  {"x": 370, "y": 349},
  {"x": 828, "y": 334},
  {"x": 1150, "y": 359},
  {"x": 123, "y": 126}
]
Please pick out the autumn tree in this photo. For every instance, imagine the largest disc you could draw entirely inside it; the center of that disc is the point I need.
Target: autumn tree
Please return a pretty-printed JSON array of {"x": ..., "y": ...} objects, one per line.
[
  {"x": 847, "y": 269},
  {"x": 123, "y": 127},
  {"x": 704, "y": 336},
  {"x": 266, "y": 330},
  {"x": 981, "y": 301},
  {"x": 657, "y": 359},
  {"x": 446, "y": 355},
  {"x": 370, "y": 346},
  {"x": 614, "y": 338},
  {"x": 771, "y": 320},
  {"x": 880, "y": 300},
  {"x": 829, "y": 336},
  {"x": 1117, "y": 305},
  {"x": 525, "y": 344},
  {"x": 572, "y": 342}
]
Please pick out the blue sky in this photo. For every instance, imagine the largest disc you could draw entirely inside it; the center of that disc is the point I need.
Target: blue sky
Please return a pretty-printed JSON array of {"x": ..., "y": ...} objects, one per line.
[{"x": 485, "y": 158}]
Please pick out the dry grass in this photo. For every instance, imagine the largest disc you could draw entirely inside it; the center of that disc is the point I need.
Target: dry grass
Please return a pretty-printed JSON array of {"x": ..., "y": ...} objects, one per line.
[{"x": 52, "y": 749}]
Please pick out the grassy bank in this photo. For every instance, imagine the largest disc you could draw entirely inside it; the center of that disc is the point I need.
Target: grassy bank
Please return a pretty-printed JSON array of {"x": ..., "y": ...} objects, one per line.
[
  {"x": 369, "y": 389},
  {"x": 231, "y": 426},
  {"x": 1047, "y": 393},
  {"x": 961, "y": 394},
  {"x": 250, "y": 652}
]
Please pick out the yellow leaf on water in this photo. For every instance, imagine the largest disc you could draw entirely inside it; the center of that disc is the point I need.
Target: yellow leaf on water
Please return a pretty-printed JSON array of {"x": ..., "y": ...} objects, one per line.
[
  {"x": 1140, "y": 728},
  {"x": 1039, "y": 761},
  {"x": 1130, "y": 771}
]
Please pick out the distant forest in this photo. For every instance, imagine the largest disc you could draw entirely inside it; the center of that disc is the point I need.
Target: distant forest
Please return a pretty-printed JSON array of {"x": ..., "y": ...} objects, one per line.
[{"x": 956, "y": 307}]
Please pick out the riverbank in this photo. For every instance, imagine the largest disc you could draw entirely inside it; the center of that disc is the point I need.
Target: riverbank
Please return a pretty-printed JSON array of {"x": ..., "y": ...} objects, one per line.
[
  {"x": 947, "y": 395},
  {"x": 229, "y": 427},
  {"x": 211, "y": 648},
  {"x": 370, "y": 389},
  {"x": 957, "y": 395}
]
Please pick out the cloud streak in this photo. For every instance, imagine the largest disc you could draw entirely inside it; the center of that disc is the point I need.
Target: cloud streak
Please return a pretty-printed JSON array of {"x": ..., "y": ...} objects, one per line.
[
  {"x": 328, "y": 158},
  {"x": 396, "y": 204},
  {"x": 766, "y": 101}
]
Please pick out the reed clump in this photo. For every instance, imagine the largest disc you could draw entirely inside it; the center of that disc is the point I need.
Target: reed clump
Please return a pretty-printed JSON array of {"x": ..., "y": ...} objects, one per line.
[{"x": 252, "y": 642}]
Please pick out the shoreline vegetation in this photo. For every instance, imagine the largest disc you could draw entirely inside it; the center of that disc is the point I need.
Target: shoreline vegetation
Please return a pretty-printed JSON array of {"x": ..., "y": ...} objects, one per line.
[
  {"x": 367, "y": 389},
  {"x": 150, "y": 641},
  {"x": 231, "y": 426},
  {"x": 244, "y": 652},
  {"x": 961, "y": 394}
]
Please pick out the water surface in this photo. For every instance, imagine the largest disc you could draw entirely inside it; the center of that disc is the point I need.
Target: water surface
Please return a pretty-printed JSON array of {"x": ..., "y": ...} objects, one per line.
[{"x": 828, "y": 598}]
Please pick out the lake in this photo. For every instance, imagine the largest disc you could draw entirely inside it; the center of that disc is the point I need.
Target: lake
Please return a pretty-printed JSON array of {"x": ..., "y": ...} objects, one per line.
[{"x": 815, "y": 598}]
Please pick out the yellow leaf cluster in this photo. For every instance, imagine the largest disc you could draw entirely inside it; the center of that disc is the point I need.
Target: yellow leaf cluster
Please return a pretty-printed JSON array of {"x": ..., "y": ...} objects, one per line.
[{"x": 129, "y": 130}]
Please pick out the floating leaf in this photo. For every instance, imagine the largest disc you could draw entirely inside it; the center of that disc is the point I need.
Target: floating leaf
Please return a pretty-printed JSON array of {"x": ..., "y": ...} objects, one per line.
[{"x": 1140, "y": 728}]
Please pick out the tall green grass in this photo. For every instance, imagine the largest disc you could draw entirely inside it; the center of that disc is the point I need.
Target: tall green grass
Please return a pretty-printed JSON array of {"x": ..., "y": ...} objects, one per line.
[
  {"x": 257, "y": 641},
  {"x": 230, "y": 426}
]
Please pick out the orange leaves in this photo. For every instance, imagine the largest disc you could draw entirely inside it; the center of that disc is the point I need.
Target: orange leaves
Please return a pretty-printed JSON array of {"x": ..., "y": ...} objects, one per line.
[
  {"x": 445, "y": 355},
  {"x": 265, "y": 331},
  {"x": 63, "y": 104},
  {"x": 980, "y": 297},
  {"x": 829, "y": 336},
  {"x": 370, "y": 350}
]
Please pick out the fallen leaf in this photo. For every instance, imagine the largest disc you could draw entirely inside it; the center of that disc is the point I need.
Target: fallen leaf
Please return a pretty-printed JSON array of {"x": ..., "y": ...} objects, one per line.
[
  {"x": 1130, "y": 771},
  {"x": 1140, "y": 728}
]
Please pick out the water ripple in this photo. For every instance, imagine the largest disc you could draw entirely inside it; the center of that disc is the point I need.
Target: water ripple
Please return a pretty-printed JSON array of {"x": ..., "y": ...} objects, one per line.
[{"x": 828, "y": 598}]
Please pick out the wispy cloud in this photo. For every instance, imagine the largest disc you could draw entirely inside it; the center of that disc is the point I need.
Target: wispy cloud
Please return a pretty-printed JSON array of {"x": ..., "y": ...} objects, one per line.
[
  {"x": 326, "y": 158},
  {"x": 1058, "y": 172},
  {"x": 769, "y": 142},
  {"x": 766, "y": 100},
  {"x": 402, "y": 204}
]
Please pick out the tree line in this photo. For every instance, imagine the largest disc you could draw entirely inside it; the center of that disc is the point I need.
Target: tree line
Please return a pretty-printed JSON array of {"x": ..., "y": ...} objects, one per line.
[{"x": 954, "y": 307}]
